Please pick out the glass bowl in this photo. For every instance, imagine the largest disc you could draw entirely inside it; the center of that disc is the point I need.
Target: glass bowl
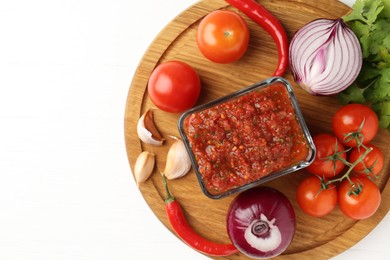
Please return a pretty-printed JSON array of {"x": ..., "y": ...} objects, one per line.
[{"x": 247, "y": 138}]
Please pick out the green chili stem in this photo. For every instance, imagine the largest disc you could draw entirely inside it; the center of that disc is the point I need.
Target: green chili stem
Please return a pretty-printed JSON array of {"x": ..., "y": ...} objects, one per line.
[{"x": 169, "y": 197}]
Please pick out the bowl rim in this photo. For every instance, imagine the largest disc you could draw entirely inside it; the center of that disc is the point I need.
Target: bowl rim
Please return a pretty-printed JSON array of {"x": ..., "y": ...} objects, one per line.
[{"x": 257, "y": 86}]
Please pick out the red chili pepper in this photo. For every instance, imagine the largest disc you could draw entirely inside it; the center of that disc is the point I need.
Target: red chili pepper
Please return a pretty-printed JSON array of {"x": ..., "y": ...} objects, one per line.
[
  {"x": 187, "y": 234},
  {"x": 271, "y": 24}
]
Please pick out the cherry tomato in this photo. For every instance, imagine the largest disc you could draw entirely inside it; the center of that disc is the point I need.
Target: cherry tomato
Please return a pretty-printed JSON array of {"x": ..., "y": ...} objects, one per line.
[
  {"x": 223, "y": 36},
  {"x": 174, "y": 86},
  {"x": 372, "y": 163},
  {"x": 322, "y": 165},
  {"x": 359, "y": 203},
  {"x": 315, "y": 201},
  {"x": 347, "y": 121}
]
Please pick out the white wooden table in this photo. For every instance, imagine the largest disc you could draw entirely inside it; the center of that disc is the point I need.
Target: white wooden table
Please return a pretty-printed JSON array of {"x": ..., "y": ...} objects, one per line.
[{"x": 66, "y": 190}]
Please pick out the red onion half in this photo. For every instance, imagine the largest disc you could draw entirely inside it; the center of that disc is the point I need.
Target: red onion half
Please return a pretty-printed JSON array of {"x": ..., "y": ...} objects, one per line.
[
  {"x": 325, "y": 56},
  {"x": 261, "y": 222}
]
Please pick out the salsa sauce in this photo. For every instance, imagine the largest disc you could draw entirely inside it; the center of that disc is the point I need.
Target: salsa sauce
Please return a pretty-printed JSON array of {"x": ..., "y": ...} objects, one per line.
[{"x": 246, "y": 138}]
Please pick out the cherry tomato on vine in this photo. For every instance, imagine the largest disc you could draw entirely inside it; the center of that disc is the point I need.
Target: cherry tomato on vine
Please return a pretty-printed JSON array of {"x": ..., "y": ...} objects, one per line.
[
  {"x": 223, "y": 36},
  {"x": 360, "y": 201},
  {"x": 355, "y": 121},
  {"x": 326, "y": 164},
  {"x": 372, "y": 163},
  {"x": 174, "y": 86},
  {"x": 313, "y": 199}
]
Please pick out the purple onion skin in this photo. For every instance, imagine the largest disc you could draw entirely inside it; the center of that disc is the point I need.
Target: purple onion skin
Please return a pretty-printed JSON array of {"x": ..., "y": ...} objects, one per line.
[{"x": 270, "y": 202}]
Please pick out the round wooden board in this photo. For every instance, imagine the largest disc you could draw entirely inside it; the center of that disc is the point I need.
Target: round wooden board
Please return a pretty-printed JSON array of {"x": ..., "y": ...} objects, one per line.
[{"x": 321, "y": 238}]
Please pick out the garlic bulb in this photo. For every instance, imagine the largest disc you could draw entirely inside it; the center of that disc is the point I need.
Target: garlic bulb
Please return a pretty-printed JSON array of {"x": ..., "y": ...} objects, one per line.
[
  {"x": 147, "y": 130},
  {"x": 144, "y": 166},
  {"x": 178, "y": 161}
]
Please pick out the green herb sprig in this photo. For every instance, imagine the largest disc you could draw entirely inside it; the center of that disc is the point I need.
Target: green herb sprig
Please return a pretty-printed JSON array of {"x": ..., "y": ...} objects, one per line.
[{"x": 370, "y": 21}]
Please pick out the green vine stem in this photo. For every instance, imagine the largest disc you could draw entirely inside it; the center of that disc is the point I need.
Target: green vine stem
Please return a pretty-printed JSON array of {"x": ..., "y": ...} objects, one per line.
[
  {"x": 350, "y": 167},
  {"x": 336, "y": 156}
]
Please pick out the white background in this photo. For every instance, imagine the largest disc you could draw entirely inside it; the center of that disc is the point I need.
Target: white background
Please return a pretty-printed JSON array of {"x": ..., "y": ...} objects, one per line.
[{"x": 66, "y": 190}]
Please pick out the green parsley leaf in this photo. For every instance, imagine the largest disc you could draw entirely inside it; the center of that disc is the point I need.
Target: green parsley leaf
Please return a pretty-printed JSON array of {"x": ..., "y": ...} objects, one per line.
[
  {"x": 380, "y": 91},
  {"x": 385, "y": 14},
  {"x": 356, "y": 13},
  {"x": 370, "y": 21},
  {"x": 368, "y": 74},
  {"x": 365, "y": 11},
  {"x": 383, "y": 111},
  {"x": 379, "y": 40},
  {"x": 352, "y": 94},
  {"x": 372, "y": 9},
  {"x": 362, "y": 31}
]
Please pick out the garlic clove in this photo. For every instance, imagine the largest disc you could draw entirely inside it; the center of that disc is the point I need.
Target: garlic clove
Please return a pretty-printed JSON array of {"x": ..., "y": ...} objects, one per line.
[
  {"x": 147, "y": 130},
  {"x": 178, "y": 161},
  {"x": 144, "y": 166}
]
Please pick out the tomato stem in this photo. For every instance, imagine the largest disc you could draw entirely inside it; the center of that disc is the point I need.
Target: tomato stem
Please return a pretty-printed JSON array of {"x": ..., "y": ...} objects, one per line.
[
  {"x": 336, "y": 157},
  {"x": 323, "y": 185},
  {"x": 351, "y": 166},
  {"x": 357, "y": 135},
  {"x": 356, "y": 189},
  {"x": 369, "y": 171}
]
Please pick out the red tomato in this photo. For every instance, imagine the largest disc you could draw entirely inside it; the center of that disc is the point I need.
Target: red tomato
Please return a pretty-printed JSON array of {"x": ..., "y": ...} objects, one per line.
[
  {"x": 174, "y": 86},
  {"x": 348, "y": 119},
  {"x": 223, "y": 36},
  {"x": 315, "y": 201},
  {"x": 322, "y": 166},
  {"x": 372, "y": 163},
  {"x": 362, "y": 203}
]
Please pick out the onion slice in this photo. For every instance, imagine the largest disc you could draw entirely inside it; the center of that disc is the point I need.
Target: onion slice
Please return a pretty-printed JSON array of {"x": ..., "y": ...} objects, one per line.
[{"x": 325, "y": 57}]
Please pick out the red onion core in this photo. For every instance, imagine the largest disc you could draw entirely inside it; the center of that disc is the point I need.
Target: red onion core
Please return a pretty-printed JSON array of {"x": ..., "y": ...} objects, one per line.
[
  {"x": 263, "y": 234},
  {"x": 260, "y": 228}
]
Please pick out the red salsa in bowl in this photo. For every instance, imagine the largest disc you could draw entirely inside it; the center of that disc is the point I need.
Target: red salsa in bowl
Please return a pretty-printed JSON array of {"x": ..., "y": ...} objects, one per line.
[{"x": 246, "y": 138}]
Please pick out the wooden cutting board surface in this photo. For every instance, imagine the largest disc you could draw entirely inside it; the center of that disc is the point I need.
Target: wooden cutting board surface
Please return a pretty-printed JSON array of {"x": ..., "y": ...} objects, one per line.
[{"x": 320, "y": 238}]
